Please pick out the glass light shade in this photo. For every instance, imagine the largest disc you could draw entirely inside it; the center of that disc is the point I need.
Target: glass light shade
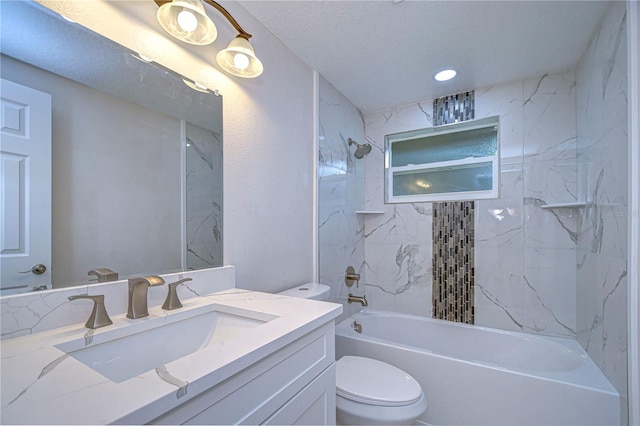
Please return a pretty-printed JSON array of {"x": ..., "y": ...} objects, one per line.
[
  {"x": 187, "y": 20},
  {"x": 239, "y": 59},
  {"x": 196, "y": 86}
]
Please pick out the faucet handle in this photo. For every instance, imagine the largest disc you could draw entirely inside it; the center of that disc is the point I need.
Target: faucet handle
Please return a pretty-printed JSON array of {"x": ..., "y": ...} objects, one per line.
[
  {"x": 172, "y": 301},
  {"x": 350, "y": 276},
  {"x": 104, "y": 274},
  {"x": 99, "y": 317}
]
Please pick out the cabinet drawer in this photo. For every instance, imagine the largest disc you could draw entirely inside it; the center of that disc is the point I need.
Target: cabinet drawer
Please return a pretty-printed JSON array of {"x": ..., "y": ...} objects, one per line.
[{"x": 314, "y": 405}]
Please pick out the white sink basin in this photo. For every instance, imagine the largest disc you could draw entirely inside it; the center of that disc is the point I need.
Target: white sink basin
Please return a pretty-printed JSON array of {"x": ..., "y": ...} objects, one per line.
[{"x": 129, "y": 351}]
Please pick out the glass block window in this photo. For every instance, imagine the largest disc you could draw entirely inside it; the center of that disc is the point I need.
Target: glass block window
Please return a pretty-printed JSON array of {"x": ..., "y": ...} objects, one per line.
[{"x": 451, "y": 162}]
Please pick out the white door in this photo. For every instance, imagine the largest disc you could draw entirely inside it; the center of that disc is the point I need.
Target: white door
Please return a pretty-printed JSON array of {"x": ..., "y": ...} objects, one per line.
[{"x": 25, "y": 188}]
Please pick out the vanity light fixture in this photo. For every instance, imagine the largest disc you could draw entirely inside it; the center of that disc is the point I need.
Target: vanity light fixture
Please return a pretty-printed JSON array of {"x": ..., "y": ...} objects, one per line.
[
  {"x": 445, "y": 75},
  {"x": 187, "y": 21}
]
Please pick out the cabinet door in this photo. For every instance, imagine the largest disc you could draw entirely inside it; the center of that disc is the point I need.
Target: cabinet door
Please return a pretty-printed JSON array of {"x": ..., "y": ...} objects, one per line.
[
  {"x": 255, "y": 393},
  {"x": 313, "y": 405}
]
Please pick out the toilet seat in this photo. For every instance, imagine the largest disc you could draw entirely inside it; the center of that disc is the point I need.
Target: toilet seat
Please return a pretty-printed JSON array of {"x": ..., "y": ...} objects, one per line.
[{"x": 373, "y": 382}]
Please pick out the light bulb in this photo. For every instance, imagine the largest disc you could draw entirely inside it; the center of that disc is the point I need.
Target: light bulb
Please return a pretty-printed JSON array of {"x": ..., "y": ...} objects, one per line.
[
  {"x": 241, "y": 61},
  {"x": 187, "y": 20},
  {"x": 445, "y": 75}
]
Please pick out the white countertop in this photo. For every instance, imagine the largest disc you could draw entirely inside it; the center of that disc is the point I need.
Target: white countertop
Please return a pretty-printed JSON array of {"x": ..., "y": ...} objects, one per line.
[{"x": 41, "y": 384}]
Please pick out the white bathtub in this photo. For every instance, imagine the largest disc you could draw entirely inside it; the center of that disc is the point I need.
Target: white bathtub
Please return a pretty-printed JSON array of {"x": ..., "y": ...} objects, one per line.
[{"x": 474, "y": 375}]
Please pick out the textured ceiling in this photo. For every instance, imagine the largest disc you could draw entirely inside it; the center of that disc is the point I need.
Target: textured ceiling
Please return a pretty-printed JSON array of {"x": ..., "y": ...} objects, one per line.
[{"x": 382, "y": 53}]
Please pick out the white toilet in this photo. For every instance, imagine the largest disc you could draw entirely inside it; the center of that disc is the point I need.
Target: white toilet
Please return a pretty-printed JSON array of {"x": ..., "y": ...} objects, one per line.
[
  {"x": 368, "y": 391},
  {"x": 372, "y": 392},
  {"x": 313, "y": 291}
]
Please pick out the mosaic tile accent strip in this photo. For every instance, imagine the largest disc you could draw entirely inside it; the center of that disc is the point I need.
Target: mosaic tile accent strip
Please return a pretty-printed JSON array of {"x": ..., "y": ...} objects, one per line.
[
  {"x": 454, "y": 108},
  {"x": 453, "y": 261},
  {"x": 454, "y": 232}
]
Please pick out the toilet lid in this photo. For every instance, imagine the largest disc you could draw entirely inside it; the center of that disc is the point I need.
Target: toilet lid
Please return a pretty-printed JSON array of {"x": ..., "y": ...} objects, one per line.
[{"x": 374, "y": 382}]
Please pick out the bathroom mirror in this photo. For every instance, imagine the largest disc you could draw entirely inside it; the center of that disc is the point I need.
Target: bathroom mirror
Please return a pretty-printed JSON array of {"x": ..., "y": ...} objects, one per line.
[{"x": 136, "y": 154}]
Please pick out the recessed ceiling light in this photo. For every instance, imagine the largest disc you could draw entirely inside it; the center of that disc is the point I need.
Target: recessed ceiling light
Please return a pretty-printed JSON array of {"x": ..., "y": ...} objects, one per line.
[{"x": 445, "y": 75}]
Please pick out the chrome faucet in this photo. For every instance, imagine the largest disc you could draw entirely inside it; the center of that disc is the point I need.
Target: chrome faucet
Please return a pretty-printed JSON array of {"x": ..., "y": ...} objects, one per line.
[
  {"x": 362, "y": 300},
  {"x": 138, "y": 288}
]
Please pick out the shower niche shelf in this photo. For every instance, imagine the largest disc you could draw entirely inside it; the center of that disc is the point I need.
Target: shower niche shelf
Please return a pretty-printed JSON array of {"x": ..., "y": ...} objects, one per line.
[
  {"x": 572, "y": 205},
  {"x": 369, "y": 212}
]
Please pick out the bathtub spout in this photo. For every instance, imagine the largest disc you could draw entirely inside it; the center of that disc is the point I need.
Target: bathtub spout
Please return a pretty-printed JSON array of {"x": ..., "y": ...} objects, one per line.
[{"x": 362, "y": 300}]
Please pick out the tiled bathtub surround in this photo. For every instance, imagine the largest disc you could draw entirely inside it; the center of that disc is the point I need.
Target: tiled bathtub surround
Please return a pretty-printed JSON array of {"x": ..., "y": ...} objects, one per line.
[
  {"x": 524, "y": 254},
  {"x": 602, "y": 180},
  {"x": 553, "y": 271},
  {"x": 340, "y": 193},
  {"x": 453, "y": 232}
]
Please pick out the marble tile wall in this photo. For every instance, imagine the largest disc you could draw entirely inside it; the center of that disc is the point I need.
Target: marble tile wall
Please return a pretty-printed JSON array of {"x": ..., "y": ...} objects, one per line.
[
  {"x": 525, "y": 255},
  {"x": 341, "y": 191},
  {"x": 204, "y": 198},
  {"x": 398, "y": 243},
  {"x": 603, "y": 181}
]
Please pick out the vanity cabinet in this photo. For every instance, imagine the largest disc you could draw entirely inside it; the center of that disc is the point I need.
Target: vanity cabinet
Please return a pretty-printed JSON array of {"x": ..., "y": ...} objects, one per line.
[{"x": 293, "y": 385}]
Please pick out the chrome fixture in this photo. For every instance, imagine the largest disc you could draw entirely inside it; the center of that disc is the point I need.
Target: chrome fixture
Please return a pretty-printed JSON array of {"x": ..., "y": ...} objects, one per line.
[
  {"x": 138, "y": 288},
  {"x": 350, "y": 276},
  {"x": 172, "y": 301},
  {"x": 104, "y": 274},
  {"x": 99, "y": 317},
  {"x": 362, "y": 300},
  {"x": 357, "y": 327},
  {"x": 188, "y": 21},
  {"x": 361, "y": 150}
]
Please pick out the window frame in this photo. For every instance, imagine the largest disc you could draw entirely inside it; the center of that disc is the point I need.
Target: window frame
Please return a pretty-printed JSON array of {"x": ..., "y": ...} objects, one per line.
[{"x": 435, "y": 131}]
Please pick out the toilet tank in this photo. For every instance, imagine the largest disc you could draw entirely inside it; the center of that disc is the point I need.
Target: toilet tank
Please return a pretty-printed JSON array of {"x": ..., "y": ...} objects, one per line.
[{"x": 313, "y": 291}]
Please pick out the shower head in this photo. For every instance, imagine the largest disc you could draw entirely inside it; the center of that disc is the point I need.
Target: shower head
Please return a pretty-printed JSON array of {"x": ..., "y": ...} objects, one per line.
[{"x": 361, "y": 150}]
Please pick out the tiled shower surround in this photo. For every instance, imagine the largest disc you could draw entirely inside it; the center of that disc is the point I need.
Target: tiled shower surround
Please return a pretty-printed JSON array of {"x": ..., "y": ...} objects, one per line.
[
  {"x": 553, "y": 271},
  {"x": 525, "y": 264}
]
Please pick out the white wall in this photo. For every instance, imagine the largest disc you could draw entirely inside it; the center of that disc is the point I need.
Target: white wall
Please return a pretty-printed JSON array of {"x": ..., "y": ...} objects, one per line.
[{"x": 268, "y": 136}]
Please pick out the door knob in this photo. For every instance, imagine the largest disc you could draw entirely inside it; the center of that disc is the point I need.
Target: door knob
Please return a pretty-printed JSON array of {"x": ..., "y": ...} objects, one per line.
[{"x": 38, "y": 269}]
